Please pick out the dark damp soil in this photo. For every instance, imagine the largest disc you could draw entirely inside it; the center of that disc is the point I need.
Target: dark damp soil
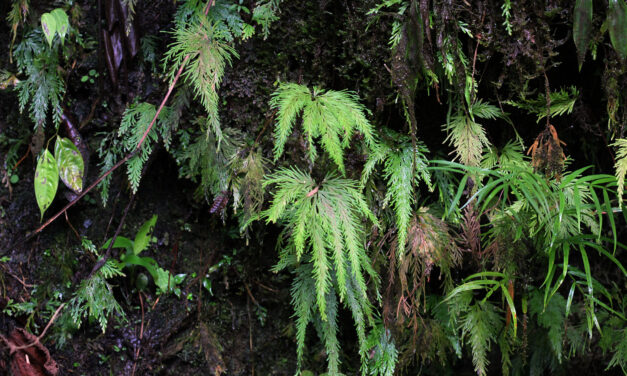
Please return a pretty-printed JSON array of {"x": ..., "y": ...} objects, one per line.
[{"x": 241, "y": 327}]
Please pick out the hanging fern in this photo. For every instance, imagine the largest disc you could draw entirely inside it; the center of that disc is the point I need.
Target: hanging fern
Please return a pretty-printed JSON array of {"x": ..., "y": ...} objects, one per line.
[
  {"x": 323, "y": 223},
  {"x": 205, "y": 44},
  {"x": 44, "y": 88},
  {"x": 467, "y": 136},
  {"x": 621, "y": 164},
  {"x": 404, "y": 167},
  {"x": 331, "y": 116},
  {"x": 206, "y": 158},
  {"x": 562, "y": 102}
]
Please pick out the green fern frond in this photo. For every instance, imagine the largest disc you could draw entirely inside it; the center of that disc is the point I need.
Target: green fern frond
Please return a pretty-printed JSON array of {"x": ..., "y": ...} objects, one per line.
[
  {"x": 324, "y": 220},
  {"x": 303, "y": 301},
  {"x": 94, "y": 298},
  {"x": 551, "y": 317},
  {"x": 44, "y": 88},
  {"x": 468, "y": 138},
  {"x": 510, "y": 154},
  {"x": 384, "y": 355},
  {"x": 208, "y": 159},
  {"x": 325, "y": 229},
  {"x": 134, "y": 124},
  {"x": 331, "y": 116},
  {"x": 620, "y": 353},
  {"x": 208, "y": 53},
  {"x": 265, "y": 13},
  {"x": 562, "y": 102},
  {"x": 621, "y": 164},
  {"x": 404, "y": 167},
  {"x": 480, "y": 326}
]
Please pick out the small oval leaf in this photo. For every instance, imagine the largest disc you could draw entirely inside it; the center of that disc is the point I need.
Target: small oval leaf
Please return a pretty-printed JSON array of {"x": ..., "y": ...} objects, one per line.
[
  {"x": 582, "y": 24},
  {"x": 617, "y": 17},
  {"x": 46, "y": 181},
  {"x": 49, "y": 26},
  {"x": 70, "y": 164}
]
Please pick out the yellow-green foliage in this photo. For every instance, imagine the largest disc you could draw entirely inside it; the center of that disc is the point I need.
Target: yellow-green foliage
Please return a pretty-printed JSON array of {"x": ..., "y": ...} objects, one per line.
[{"x": 331, "y": 116}]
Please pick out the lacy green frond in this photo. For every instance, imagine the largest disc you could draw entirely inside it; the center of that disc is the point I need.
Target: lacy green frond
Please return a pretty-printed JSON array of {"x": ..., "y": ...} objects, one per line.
[
  {"x": 562, "y": 102},
  {"x": 480, "y": 326},
  {"x": 324, "y": 222},
  {"x": 94, "y": 298},
  {"x": 43, "y": 90},
  {"x": 550, "y": 317},
  {"x": 208, "y": 52},
  {"x": 467, "y": 136},
  {"x": 134, "y": 124},
  {"x": 208, "y": 159},
  {"x": 510, "y": 154},
  {"x": 247, "y": 183},
  {"x": 326, "y": 236},
  {"x": 265, "y": 13},
  {"x": 383, "y": 358},
  {"x": 404, "y": 167},
  {"x": 621, "y": 164},
  {"x": 620, "y": 353},
  {"x": 328, "y": 116}
]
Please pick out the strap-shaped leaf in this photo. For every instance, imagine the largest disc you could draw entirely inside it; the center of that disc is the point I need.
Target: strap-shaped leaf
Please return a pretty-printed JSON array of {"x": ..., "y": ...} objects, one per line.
[
  {"x": 46, "y": 181},
  {"x": 617, "y": 17},
  {"x": 62, "y": 23},
  {"x": 70, "y": 164},
  {"x": 582, "y": 25},
  {"x": 49, "y": 26}
]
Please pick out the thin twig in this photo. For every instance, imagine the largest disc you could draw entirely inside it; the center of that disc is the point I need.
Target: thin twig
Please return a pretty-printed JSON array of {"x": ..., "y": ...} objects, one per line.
[
  {"x": 72, "y": 227},
  {"x": 104, "y": 259},
  {"x": 37, "y": 340},
  {"x": 141, "y": 333}
]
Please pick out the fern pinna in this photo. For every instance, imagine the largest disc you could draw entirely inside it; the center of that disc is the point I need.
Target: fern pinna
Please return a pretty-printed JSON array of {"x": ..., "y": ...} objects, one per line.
[{"x": 323, "y": 222}]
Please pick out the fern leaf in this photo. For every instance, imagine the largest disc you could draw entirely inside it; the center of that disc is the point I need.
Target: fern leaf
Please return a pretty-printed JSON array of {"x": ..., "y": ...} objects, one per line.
[
  {"x": 621, "y": 165},
  {"x": 204, "y": 44},
  {"x": 481, "y": 326},
  {"x": 324, "y": 225},
  {"x": 331, "y": 116}
]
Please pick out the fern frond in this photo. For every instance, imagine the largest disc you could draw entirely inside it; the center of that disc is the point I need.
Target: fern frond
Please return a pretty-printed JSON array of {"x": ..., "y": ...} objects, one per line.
[
  {"x": 480, "y": 326},
  {"x": 404, "y": 167},
  {"x": 468, "y": 138},
  {"x": 208, "y": 53},
  {"x": 325, "y": 229},
  {"x": 134, "y": 124},
  {"x": 551, "y": 317},
  {"x": 94, "y": 298},
  {"x": 562, "y": 102},
  {"x": 510, "y": 154},
  {"x": 384, "y": 355},
  {"x": 265, "y": 13},
  {"x": 44, "y": 88},
  {"x": 620, "y": 353},
  {"x": 330, "y": 116},
  {"x": 303, "y": 301},
  {"x": 621, "y": 165},
  {"x": 208, "y": 158}
]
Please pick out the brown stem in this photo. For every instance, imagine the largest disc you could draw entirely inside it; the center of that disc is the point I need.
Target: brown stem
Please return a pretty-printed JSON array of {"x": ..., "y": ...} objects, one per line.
[
  {"x": 43, "y": 333},
  {"x": 104, "y": 258}
]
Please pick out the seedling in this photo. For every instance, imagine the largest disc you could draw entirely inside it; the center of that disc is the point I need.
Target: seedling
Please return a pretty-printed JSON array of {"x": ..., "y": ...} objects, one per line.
[{"x": 163, "y": 279}]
